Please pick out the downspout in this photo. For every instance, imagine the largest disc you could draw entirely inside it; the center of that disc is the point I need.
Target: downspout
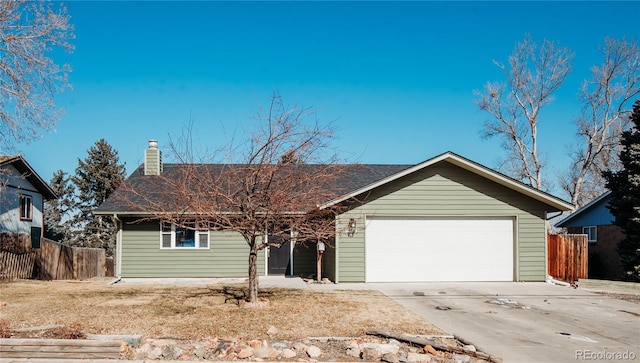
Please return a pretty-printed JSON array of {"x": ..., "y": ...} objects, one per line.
[{"x": 118, "y": 260}]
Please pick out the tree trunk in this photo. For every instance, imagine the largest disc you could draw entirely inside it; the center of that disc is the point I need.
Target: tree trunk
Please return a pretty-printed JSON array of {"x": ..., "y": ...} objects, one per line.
[{"x": 253, "y": 272}]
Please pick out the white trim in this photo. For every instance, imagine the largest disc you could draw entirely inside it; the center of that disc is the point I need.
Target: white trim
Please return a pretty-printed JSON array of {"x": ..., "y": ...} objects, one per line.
[
  {"x": 292, "y": 243},
  {"x": 28, "y": 204},
  {"x": 589, "y": 235},
  {"x": 472, "y": 167},
  {"x": 267, "y": 251},
  {"x": 117, "y": 271},
  {"x": 196, "y": 238}
]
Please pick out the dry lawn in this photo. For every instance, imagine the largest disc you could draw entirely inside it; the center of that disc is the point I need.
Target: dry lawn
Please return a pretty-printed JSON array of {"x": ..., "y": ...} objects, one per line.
[{"x": 199, "y": 312}]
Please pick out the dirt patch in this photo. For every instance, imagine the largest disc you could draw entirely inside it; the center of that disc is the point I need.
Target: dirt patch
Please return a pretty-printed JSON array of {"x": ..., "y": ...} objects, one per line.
[
  {"x": 202, "y": 312},
  {"x": 626, "y": 297}
]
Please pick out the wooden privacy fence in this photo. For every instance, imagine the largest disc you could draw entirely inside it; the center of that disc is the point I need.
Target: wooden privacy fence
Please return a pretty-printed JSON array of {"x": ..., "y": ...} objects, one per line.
[
  {"x": 16, "y": 265},
  {"x": 56, "y": 261},
  {"x": 567, "y": 256}
]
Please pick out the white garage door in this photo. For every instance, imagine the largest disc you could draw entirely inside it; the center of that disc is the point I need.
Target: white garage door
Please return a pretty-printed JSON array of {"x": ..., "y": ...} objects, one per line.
[{"x": 439, "y": 249}]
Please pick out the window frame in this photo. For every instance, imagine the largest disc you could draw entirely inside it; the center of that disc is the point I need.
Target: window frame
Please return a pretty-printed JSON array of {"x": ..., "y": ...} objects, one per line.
[
  {"x": 25, "y": 209},
  {"x": 587, "y": 230},
  {"x": 173, "y": 240}
]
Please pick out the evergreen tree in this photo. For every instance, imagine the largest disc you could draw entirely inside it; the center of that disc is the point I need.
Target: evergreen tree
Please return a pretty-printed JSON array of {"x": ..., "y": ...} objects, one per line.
[
  {"x": 625, "y": 197},
  {"x": 97, "y": 176},
  {"x": 57, "y": 220}
]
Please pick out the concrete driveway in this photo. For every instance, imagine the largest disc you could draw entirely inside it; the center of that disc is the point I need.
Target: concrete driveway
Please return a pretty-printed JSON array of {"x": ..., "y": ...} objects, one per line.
[{"x": 528, "y": 322}]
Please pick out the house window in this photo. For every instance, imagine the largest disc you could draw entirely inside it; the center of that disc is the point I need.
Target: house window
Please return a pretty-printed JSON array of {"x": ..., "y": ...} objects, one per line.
[
  {"x": 591, "y": 232},
  {"x": 185, "y": 236},
  {"x": 26, "y": 207}
]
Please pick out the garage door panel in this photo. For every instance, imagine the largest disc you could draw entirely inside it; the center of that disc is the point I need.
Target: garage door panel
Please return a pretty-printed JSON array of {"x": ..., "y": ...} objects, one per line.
[{"x": 438, "y": 249}]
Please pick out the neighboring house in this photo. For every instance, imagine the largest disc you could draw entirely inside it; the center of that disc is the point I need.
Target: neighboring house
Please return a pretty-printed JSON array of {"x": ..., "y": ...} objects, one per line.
[
  {"x": 595, "y": 220},
  {"x": 22, "y": 196},
  {"x": 445, "y": 219}
]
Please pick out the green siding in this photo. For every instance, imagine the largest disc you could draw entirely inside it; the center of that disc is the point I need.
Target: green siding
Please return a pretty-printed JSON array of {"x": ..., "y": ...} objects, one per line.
[
  {"x": 142, "y": 257},
  {"x": 445, "y": 190}
]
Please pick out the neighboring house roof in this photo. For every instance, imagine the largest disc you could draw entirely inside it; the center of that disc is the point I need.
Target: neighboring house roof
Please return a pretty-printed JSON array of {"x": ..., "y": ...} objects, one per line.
[
  {"x": 29, "y": 174},
  {"x": 473, "y": 167},
  {"x": 353, "y": 180},
  {"x": 583, "y": 211}
]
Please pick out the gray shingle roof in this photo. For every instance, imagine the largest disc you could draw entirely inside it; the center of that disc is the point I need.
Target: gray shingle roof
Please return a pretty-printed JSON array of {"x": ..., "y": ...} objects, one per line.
[{"x": 140, "y": 189}]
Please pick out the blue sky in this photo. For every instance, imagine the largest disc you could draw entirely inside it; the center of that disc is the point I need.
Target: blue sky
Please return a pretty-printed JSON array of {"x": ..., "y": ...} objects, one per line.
[{"x": 397, "y": 79}]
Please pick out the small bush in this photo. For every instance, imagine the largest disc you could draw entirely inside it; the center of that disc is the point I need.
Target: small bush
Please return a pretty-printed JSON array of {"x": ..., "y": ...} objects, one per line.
[
  {"x": 73, "y": 331},
  {"x": 5, "y": 331}
]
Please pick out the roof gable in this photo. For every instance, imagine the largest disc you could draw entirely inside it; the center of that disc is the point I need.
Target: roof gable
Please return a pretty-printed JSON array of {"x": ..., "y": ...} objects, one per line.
[
  {"x": 468, "y": 165},
  {"x": 585, "y": 210},
  {"x": 29, "y": 174}
]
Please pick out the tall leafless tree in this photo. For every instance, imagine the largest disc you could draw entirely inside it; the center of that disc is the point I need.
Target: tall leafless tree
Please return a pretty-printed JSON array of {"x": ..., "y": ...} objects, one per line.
[
  {"x": 286, "y": 169},
  {"x": 607, "y": 98},
  {"x": 30, "y": 31},
  {"x": 532, "y": 75}
]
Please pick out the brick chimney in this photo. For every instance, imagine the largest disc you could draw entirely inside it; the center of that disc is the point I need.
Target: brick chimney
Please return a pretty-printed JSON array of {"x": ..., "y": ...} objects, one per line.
[{"x": 152, "y": 159}]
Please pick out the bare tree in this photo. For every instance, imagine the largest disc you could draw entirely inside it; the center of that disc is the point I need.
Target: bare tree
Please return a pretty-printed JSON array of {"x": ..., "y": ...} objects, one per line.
[
  {"x": 606, "y": 98},
  {"x": 533, "y": 74},
  {"x": 29, "y": 78},
  {"x": 286, "y": 170}
]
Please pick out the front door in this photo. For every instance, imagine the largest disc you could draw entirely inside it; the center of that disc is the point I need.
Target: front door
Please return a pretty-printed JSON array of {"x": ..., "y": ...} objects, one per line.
[{"x": 279, "y": 257}]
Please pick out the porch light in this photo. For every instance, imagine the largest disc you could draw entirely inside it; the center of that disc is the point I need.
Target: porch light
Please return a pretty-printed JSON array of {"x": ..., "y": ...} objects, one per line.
[{"x": 351, "y": 228}]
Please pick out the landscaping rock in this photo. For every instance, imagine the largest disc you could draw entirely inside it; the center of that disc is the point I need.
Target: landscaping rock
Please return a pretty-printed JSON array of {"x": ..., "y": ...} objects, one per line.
[
  {"x": 394, "y": 342},
  {"x": 353, "y": 352},
  {"x": 143, "y": 351},
  {"x": 418, "y": 358},
  {"x": 279, "y": 345},
  {"x": 300, "y": 346},
  {"x": 200, "y": 351},
  {"x": 272, "y": 331},
  {"x": 460, "y": 358},
  {"x": 288, "y": 353},
  {"x": 265, "y": 352},
  {"x": 390, "y": 358},
  {"x": 245, "y": 353},
  {"x": 429, "y": 349},
  {"x": 388, "y": 348},
  {"x": 161, "y": 342},
  {"x": 313, "y": 351},
  {"x": 370, "y": 353},
  {"x": 155, "y": 353},
  {"x": 255, "y": 344},
  {"x": 171, "y": 352}
]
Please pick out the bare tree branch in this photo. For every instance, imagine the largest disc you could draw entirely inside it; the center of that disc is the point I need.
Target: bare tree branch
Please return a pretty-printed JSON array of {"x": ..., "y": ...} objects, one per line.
[
  {"x": 532, "y": 76},
  {"x": 606, "y": 97},
  {"x": 29, "y": 78}
]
